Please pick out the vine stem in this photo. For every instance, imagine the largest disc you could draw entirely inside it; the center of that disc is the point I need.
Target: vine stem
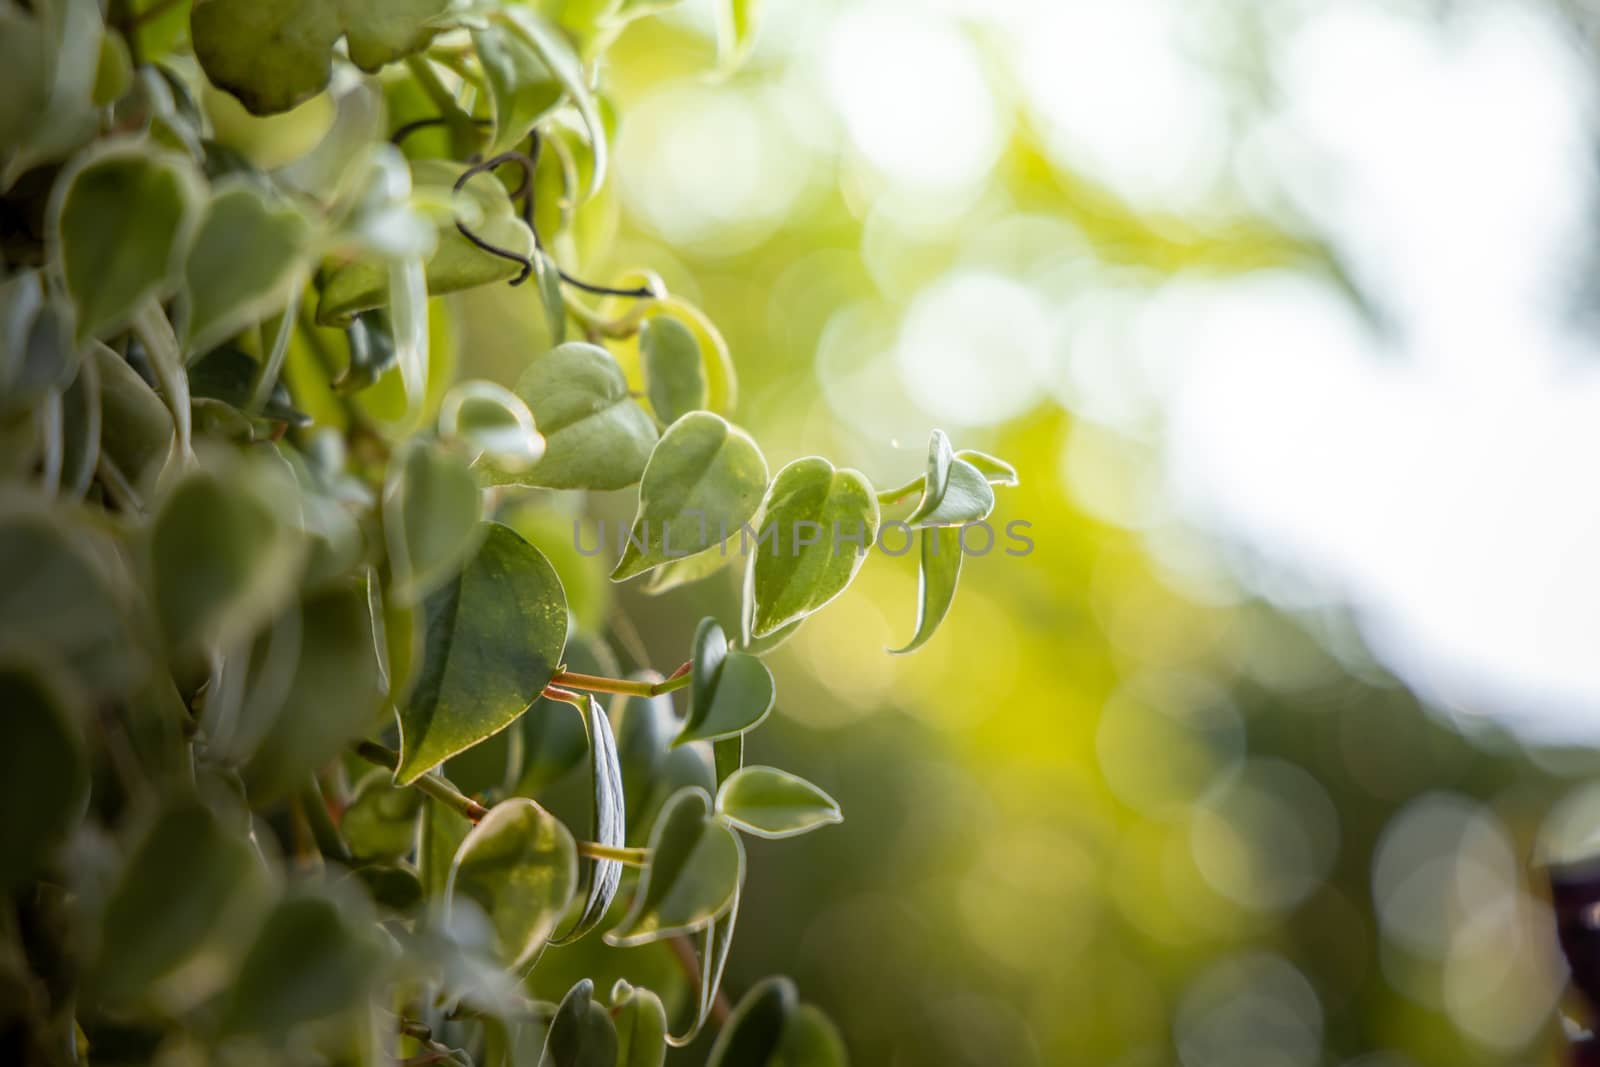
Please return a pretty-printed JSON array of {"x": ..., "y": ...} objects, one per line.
[
  {"x": 596, "y": 684},
  {"x": 892, "y": 496},
  {"x": 453, "y": 798}
]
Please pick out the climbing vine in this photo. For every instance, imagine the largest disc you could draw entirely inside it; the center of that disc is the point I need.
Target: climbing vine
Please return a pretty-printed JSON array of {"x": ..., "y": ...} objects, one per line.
[{"x": 307, "y": 755}]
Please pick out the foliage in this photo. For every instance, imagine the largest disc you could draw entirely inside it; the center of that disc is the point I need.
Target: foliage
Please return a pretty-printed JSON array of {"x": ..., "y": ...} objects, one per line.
[{"x": 256, "y": 537}]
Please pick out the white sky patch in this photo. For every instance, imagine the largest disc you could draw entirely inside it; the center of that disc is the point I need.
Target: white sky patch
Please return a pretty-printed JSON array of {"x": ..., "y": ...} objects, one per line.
[
  {"x": 1444, "y": 479},
  {"x": 970, "y": 347},
  {"x": 911, "y": 91},
  {"x": 1117, "y": 96}
]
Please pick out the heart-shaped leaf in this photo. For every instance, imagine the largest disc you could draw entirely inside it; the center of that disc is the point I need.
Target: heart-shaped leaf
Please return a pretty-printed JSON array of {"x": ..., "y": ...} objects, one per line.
[
  {"x": 493, "y": 422},
  {"x": 121, "y": 220},
  {"x": 730, "y": 691},
  {"x": 494, "y": 637},
  {"x": 996, "y": 470},
  {"x": 44, "y": 771},
  {"x": 482, "y": 204},
  {"x": 182, "y": 879},
  {"x": 641, "y": 1023},
  {"x": 608, "y": 824},
  {"x": 696, "y": 866},
  {"x": 596, "y": 435},
  {"x": 813, "y": 534},
  {"x": 703, "y": 482},
  {"x": 954, "y": 492},
  {"x": 581, "y": 1034},
  {"x": 136, "y": 430},
  {"x": 521, "y": 87},
  {"x": 938, "y": 573},
  {"x": 55, "y": 588},
  {"x": 771, "y": 803},
  {"x": 563, "y": 63},
  {"x": 222, "y": 558},
  {"x": 754, "y": 1032},
  {"x": 247, "y": 256},
  {"x": 381, "y": 820},
  {"x": 315, "y": 957},
  {"x": 431, "y": 508},
  {"x": 519, "y": 866},
  {"x": 274, "y": 54},
  {"x": 674, "y": 370},
  {"x": 335, "y": 695}
]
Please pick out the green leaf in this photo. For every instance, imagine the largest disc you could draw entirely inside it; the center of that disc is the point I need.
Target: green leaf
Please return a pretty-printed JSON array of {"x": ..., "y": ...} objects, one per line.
[
  {"x": 729, "y": 693},
  {"x": 381, "y": 821},
  {"x": 391, "y": 886},
  {"x": 431, "y": 508},
  {"x": 494, "y": 638},
  {"x": 736, "y": 30},
  {"x": 56, "y": 588},
  {"x": 314, "y": 958},
  {"x": 228, "y": 374},
  {"x": 596, "y": 435},
  {"x": 548, "y": 277},
  {"x": 641, "y": 1023},
  {"x": 372, "y": 350},
  {"x": 555, "y": 738},
  {"x": 937, "y": 575},
  {"x": 221, "y": 559},
  {"x": 997, "y": 471},
  {"x": 439, "y": 837},
  {"x": 754, "y": 1032},
  {"x": 120, "y": 221},
  {"x": 493, "y": 422},
  {"x": 680, "y": 768},
  {"x": 815, "y": 527},
  {"x": 581, "y": 1034},
  {"x": 456, "y": 263},
  {"x": 521, "y": 87},
  {"x": 809, "y": 1040},
  {"x": 703, "y": 482},
  {"x": 670, "y": 576},
  {"x": 642, "y": 726},
  {"x": 696, "y": 867},
  {"x": 954, "y": 492},
  {"x": 335, "y": 696},
  {"x": 722, "y": 382},
  {"x": 44, "y": 771},
  {"x": 274, "y": 54},
  {"x": 184, "y": 880},
  {"x": 716, "y": 941},
  {"x": 136, "y": 430},
  {"x": 608, "y": 824},
  {"x": 519, "y": 865},
  {"x": 248, "y": 256},
  {"x": 728, "y": 756},
  {"x": 562, "y": 62},
  {"x": 37, "y": 353},
  {"x": 771, "y": 803},
  {"x": 80, "y": 428},
  {"x": 674, "y": 370}
]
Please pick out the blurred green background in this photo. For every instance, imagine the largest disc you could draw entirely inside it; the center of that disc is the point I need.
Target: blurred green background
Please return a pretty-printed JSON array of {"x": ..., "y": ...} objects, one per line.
[{"x": 1277, "y": 307}]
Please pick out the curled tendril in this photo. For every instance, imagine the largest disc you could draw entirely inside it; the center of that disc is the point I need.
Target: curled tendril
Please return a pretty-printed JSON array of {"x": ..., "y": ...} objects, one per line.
[{"x": 527, "y": 163}]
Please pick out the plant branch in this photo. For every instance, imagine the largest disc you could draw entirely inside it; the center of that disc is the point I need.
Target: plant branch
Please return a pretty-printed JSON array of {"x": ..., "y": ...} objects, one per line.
[
  {"x": 597, "y": 684},
  {"x": 449, "y": 795},
  {"x": 435, "y": 787}
]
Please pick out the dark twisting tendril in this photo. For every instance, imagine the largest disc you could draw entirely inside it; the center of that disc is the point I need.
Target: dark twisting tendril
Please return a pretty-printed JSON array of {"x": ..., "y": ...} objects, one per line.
[{"x": 528, "y": 164}]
